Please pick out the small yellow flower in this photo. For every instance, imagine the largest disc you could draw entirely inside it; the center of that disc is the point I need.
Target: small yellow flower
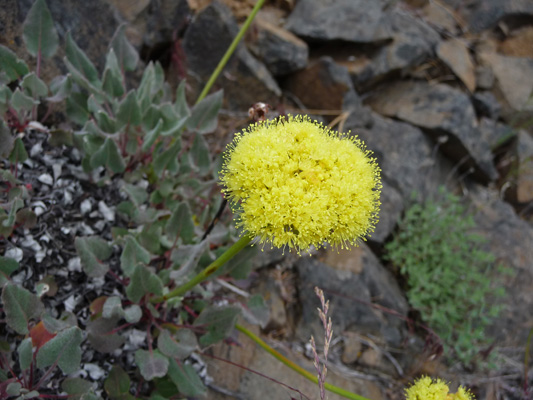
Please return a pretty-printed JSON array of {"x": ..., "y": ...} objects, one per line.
[
  {"x": 426, "y": 388},
  {"x": 293, "y": 182}
]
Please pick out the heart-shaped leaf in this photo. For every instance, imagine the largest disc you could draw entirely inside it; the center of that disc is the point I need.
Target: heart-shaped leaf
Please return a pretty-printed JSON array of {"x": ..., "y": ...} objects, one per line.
[
  {"x": 126, "y": 54},
  {"x": 204, "y": 115},
  {"x": 20, "y": 306},
  {"x": 133, "y": 254},
  {"x": 39, "y": 32},
  {"x": 93, "y": 251},
  {"x": 112, "y": 308},
  {"x": 64, "y": 349},
  {"x": 180, "y": 345},
  {"x": 151, "y": 364},
  {"x": 129, "y": 112},
  {"x": 77, "y": 388},
  {"x": 79, "y": 60},
  {"x": 25, "y": 354},
  {"x": 7, "y": 267},
  {"x": 186, "y": 379},
  {"x": 142, "y": 282},
  {"x": 11, "y": 65},
  {"x": 180, "y": 223},
  {"x": 218, "y": 321},
  {"x": 117, "y": 384}
]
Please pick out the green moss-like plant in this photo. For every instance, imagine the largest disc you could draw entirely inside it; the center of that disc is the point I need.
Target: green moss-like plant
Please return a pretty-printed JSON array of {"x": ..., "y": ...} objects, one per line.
[{"x": 448, "y": 273}]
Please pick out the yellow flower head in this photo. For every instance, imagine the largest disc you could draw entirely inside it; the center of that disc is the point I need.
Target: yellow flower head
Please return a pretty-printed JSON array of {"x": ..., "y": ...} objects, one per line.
[
  {"x": 295, "y": 183},
  {"x": 426, "y": 388}
]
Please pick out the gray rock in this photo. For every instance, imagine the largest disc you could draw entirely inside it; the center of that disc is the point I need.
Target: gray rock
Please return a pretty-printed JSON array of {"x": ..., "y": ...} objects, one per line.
[
  {"x": 207, "y": 38},
  {"x": 353, "y": 281},
  {"x": 282, "y": 382},
  {"x": 484, "y": 77},
  {"x": 511, "y": 241},
  {"x": 485, "y": 14},
  {"x": 162, "y": 21},
  {"x": 323, "y": 85},
  {"x": 403, "y": 152},
  {"x": 519, "y": 178},
  {"x": 486, "y": 105},
  {"x": 392, "y": 205},
  {"x": 494, "y": 133},
  {"x": 524, "y": 178},
  {"x": 245, "y": 80},
  {"x": 281, "y": 51},
  {"x": 413, "y": 42},
  {"x": 91, "y": 34},
  {"x": 455, "y": 53},
  {"x": 357, "y": 21},
  {"x": 406, "y": 157},
  {"x": 440, "y": 110},
  {"x": 513, "y": 76}
]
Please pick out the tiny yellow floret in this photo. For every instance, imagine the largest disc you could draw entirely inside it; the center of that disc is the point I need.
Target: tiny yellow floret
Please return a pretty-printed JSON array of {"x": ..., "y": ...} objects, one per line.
[
  {"x": 293, "y": 182},
  {"x": 426, "y": 388}
]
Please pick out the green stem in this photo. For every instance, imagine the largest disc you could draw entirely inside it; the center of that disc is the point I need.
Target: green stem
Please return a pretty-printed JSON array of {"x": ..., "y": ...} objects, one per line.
[
  {"x": 207, "y": 272},
  {"x": 230, "y": 51},
  {"x": 297, "y": 368}
]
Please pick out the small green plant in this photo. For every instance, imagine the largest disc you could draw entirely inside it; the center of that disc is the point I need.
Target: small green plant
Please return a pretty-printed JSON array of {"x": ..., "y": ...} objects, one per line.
[{"x": 448, "y": 273}]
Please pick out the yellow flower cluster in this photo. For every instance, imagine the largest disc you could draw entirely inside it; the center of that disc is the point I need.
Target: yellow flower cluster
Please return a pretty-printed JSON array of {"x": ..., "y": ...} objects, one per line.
[
  {"x": 293, "y": 182},
  {"x": 426, "y": 388}
]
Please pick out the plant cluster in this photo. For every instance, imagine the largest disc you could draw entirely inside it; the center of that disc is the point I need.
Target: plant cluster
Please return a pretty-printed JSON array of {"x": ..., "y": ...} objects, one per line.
[
  {"x": 449, "y": 274},
  {"x": 153, "y": 142}
]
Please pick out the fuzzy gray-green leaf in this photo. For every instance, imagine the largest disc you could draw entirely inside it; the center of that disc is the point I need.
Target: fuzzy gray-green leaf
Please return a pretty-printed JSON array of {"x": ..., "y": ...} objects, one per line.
[
  {"x": 151, "y": 364},
  {"x": 180, "y": 223},
  {"x": 22, "y": 102},
  {"x": 77, "y": 388},
  {"x": 219, "y": 321},
  {"x": 24, "y": 351},
  {"x": 20, "y": 306},
  {"x": 180, "y": 345},
  {"x": 204, "y": 115},
  {"x": 201, "y": 155},
  {"x": 180, "y": 105},
  {"x": 12, "y": 66},
  {"x": 186, "y": 379},
  {"x": 133, "y": 254},
  {"x": 76, "y": 108},
  {"x": 18, "y": 154},
  {"x": 34, "y": 86},
  {"x": 79, "y": 60},
  {"x": 133, "y": 314},
  {"x": 117, "y": 384},
  {"x": 60, "y": 87},
  {"x": 152, "y": 135},
  {"x": 126, "y": 54},
  {"x": 112, "y": 81},
  {"x": 7, "y": 267},
  {"x": 93, "y": 251},
  {"x": 109, "y": 156},
  {"x": 129, "y": 112},
  {"x": 39, "y": 32},
  {"x": 112, "y": 307},
  {"x": 143, "y": 282},
  {"x": 167, "y": 158},
  {"x": 64, "y": 349}
]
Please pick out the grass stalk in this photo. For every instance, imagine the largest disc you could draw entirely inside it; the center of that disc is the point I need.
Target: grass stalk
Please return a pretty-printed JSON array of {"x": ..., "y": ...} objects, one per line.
[{"x": 306, "y": 374}]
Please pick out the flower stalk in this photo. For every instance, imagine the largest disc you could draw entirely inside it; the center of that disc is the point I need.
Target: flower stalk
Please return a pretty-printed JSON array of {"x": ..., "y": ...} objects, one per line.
[
  {"x": 207, "y": 271},
  {"x": 231, "y": 49}
]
